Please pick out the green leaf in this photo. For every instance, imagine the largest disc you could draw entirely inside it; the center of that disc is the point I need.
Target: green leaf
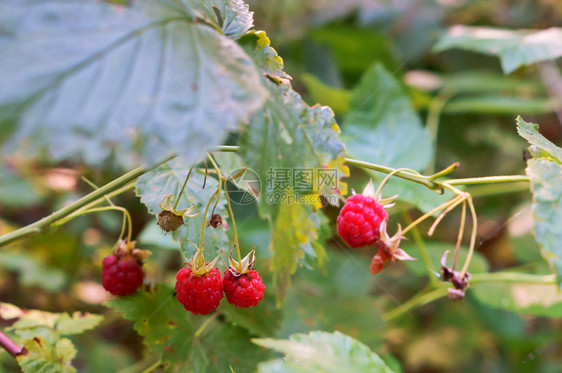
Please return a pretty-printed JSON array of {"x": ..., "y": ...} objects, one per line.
[
  {"x": 168, "y": 329},
  {"x": 43, "y": 357},
  {"x": 336, "y": 98},
  {"x": 355, "y": 49},
  {"x": 257, "y": 45},
  {"x": 295, "y": 226},
  {"x": 545, "y": 172},
  {"x": 47, "y": 325},
  {"x": 321, "y": 352},
  {"x": 382, "y": 127},
  {"x": 139, "y": 80},
  {"x": 232, "y": 16},
  {"x": 161, "y": 320},
  {"x": 501, "y": 105},
  {"x": 514, "y": 48},
  {"x": 168, "y": 179},
  {"x": 546, "y": 185},
  {"x": 295, "y": 151},
  {"x": 262, "y": 320},
  {"x": 77, "y": 323},
  {"x": 33, "y": 272},
  {"x": 480, "y": 81},
  {"x": 341, "y": 299},
  {"x": 530, "y": 132},
  {"x": 528, "y": 299}
]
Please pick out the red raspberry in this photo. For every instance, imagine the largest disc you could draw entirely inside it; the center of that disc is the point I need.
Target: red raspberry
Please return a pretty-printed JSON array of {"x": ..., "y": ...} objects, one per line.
[
  {"x": 360, "y": 219},
  {"x": 199, "y": 294},
  {"x": 379, "y": 260},
  {"x": 245, "y": 290},
  {"x": 121, "y": 275}
]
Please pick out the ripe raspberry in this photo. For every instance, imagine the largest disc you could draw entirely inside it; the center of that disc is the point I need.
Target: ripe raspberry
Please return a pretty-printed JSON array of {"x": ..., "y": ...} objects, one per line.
[
  {"x": 379, "y": 260},
  {"x": 360, "y": 219},
  {"x": 245, "y": 290},
  {"x": 121, "y": 275},
  {"x": 199, "y": 294}
]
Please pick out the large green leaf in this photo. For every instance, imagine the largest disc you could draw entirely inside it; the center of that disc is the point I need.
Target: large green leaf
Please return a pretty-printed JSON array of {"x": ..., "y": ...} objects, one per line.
[
  {"x": 515, "y": 48},
  {"x": 382, "y": 127},
  {"x": 340, "y": 299},
  {"x": 42, "y": 357},
  {"x": 232, "y": 16},
  {"x": 321, "y": 352},
  {"x": 295, "y": 227},
  {"x": 545, "y": 171},
  {"x": 141, "y": 81},
  {"x": 289, "y": 137},
  {"x": 262, "y": 320},
  {"x": 546, "y": 185},
  {"x": 295, "y": 150},
  {"x": 168, "y": 329},
  {"x": 168, "y": 179}
]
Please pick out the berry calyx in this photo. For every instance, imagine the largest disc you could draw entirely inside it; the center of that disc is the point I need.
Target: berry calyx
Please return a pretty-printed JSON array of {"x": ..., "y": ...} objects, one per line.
[
  {"x": 243, "y": 290},
  {"x": 122, "y": 272},
  {"x": 243, "y": 285},
  {"x": 361, "y": 216},
  {"x": 199, "y": 294},
  {"x": 170, "y": 219},
  {"x": 379, "y": 260}
]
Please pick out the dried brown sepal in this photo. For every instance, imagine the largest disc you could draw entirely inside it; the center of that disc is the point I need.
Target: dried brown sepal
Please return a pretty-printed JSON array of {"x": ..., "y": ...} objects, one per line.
[
  {"x": 215, "y": 221},
  {"x": 454, "y": 277},
  {"x": 127, "y": 249}
]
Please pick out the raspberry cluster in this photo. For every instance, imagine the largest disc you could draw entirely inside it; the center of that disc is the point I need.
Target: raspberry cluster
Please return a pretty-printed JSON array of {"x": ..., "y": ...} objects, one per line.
[{"x": 201, "y": 294}]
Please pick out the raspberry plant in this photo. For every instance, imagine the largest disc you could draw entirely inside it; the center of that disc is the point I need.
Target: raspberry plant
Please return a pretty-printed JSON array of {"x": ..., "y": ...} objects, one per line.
[{"x": 196, "y": 99}]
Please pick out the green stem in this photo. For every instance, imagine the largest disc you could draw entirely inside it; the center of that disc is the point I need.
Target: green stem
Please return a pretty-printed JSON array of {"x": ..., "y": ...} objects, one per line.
[
  {"x": 523, "y": 278},
  {"x": 153, "y": 366},
  {"x": 423, "y": 251},
  {"x": 205, "y": 324},
  {"x": 223, "y": 179},
  {"x": 182, "y": 188},
  {"x": 417, "y": 301},
  {"x": 41, "y": 226},
  {"x": 489, "y": 180}
]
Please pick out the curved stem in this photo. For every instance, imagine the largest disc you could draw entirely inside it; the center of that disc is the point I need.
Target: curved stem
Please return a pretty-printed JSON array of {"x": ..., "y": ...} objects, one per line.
[
  {"x": 459, "y": 237},
  {"x": 417, "y": 301},
  {"x": 10, "y": 346},
  {"x": 44, "y": 224},
  {"x": 215, "y": 194},
  {"x": 182, "y": 188},
  {"x": 205, "y": 324},
  {"x": 385, "y": 180},
  {"x": 423, "y": 251},
  {"x": 223, "y": 179},
  {"x": 472, "y": 237}
]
